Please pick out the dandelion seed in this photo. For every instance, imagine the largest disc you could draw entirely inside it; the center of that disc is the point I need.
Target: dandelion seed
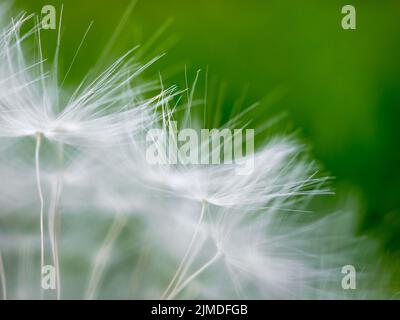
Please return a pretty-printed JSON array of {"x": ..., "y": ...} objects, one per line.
[{"x": 218, "y": 234}]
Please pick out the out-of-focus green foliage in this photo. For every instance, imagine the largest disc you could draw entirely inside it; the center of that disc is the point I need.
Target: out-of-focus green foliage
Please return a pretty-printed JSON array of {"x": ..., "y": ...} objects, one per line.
[{"x": 340, "y": 87}]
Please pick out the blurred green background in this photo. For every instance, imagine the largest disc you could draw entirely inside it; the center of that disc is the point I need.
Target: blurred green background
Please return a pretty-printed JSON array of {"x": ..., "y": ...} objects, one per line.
[{"x": 340, "y": 87}]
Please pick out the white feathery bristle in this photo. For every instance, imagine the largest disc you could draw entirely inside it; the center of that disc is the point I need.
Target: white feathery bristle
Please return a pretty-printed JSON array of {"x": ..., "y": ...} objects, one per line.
[{"x": 114, "y": 225}]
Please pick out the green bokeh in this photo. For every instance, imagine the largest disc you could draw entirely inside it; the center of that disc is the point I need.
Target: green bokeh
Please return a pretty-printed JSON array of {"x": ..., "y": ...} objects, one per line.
[{"x": 340, "y": 87}]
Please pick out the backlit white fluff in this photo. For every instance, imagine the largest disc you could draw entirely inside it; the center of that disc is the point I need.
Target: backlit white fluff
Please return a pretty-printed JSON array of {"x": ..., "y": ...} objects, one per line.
[
  {"x": 99, "y": 112},
  {"x": 116, "y": 226}
]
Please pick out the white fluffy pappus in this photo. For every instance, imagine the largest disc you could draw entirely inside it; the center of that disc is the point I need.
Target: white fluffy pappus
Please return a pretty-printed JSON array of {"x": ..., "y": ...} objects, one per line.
[{"x": 170, "y": 231}]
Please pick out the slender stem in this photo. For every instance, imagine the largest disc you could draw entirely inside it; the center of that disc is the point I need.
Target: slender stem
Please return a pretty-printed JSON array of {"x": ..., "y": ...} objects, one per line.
[
  {"x": 53, "y": 228},
  {"x": 137, "y": 274},
  {"x": 57, "y": 218},
  {"x": 188, "y": 263},
  {"x": 102, "y": 256},
  {"x": 39, "y": 187},
  {"x": 3, "y": 278},
  {"x": 188, "y": 250},
  {"x": 193, "y": 276}
]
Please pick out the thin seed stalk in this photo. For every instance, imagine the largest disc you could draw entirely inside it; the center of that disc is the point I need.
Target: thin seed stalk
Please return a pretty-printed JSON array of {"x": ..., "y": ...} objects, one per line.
[
  {"x": 53, "y": 216},
  {"x": 39, "y": 188},
  {"x": 187, "y": 253},
  {"x": 194, "y": 275},
  {"x": 3, "y": 279}
]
